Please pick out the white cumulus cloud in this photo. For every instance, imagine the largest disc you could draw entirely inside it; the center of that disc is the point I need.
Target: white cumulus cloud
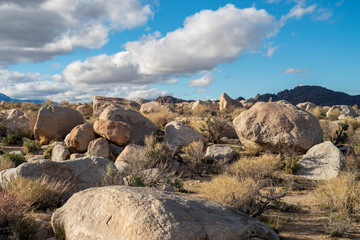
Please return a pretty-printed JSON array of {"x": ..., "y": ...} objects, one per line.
[
  {"x": 292, "y": 70},
  {"x": 204, "y": 81},
  {"x": 36, "y": 30},
  {"x": 207, "y": 39}
]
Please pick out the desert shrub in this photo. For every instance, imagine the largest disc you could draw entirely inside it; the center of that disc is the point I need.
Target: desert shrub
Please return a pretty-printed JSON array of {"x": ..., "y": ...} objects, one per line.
[
  {"x": 48, "y": 151},
  {"x": 153, "y": 155},
  {"x": 212, "y": 129},
  {"x": 203, "y": 110},
  {"x": 273, "y": 223},
  {"x": 25, "y": 229},
  {"x": 319, "y": 112},
  {"x": 39, "y": 193},
  {"x": 160, "y": 119},
  {"x": 12, "y": 140},
  {"x": 157, "y": 154},
  {"x": 242, "y": 194},
  {"x": 233, "y": 114},
  {"x": 31, "y": 146},
  {"x": 251, "y": 149},
  {"x": 193, "y": 155},
  {"x": 290, "y": 159},
  {"x": 111, "y": 177},
  {"x": 354, "y": 141},
  {"x": 257, "y": 168},
  {"x": 337, "y": 226},
  {"x": 11, "y": 209},
  {"x": 340, "y": 194},
  {"x": 13, "y": 157},
  {"x": 137, "y": 180},
  {"x": 29, "y": 106},
  {"x": 6, "y": 163},
  {"x": 340, "y": 134},
  {"x": 334, "y": 115}
]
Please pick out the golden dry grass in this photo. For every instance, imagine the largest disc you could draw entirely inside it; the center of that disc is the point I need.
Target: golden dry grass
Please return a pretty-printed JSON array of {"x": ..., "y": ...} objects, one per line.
[
  {"x": 39, "y": 193},
  {"x": 231, "y": 191},
  {"x": 256, "y": 167},
  {"x": 340, "y": 194},
  {"x": 160, "y": 119},
  {"x": 6, "y": 163}
]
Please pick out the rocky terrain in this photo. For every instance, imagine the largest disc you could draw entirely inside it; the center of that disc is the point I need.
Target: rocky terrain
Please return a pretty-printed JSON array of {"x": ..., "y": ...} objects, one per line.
[{"x": 172, "y": 169}]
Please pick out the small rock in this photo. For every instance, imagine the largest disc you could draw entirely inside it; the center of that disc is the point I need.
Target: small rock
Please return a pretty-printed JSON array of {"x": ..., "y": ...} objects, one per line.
[{"x": 99, "y": 148}]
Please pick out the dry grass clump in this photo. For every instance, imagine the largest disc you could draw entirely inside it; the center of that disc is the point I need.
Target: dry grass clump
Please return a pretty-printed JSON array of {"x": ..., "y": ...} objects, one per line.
[
  {"x": 340, "y": 194},
  {"x": 258, "y": 168},
  {"x": 231, "y": 191},
  {"x": 6, "y": 163},
  {"x": 204, "y": 110},
  {"x": 160, "y": 119},
  {"x": 193, "y": 155},
  {"x": 233, "y": 114},
  {"x": 39, "y": 193},
  {"x": 11, "y": 208},
  {"x": 319, "y": 112},
  {"x": 334, "y": 115},
  {"x": 213, "y": 128},
  {"x": 251, "y": 149}
]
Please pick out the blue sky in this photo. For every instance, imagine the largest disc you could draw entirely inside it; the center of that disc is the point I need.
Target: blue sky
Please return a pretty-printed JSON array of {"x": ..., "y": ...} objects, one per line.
[{"x": 74, "y": 50}]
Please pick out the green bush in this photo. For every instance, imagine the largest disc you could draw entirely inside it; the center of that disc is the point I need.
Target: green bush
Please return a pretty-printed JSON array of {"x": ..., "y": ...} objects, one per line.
[
  {"x": 11, "y": 140},
  {"x": 48, "y": 151},
  {"x": 13, "y": 157},
  {"x": 31, "y": 146}
]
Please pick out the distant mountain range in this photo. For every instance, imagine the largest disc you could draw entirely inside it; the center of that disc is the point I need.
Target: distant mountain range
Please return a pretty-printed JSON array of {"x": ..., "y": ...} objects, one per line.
[
  {"x": 315, "y": 94},
  {"x": 5, "y": 98}
]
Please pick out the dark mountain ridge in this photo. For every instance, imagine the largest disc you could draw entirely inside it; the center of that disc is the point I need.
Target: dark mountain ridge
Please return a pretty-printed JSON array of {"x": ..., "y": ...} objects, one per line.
[{"x": 315, "y": 94}]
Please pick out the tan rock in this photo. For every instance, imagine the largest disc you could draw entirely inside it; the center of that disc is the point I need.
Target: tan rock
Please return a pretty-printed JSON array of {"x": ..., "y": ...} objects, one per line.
[
  {"x": 140, "y": 126},
  {"x": 55, "y": 122},
  {"x": 100, "y": 103},
  {"x": 227, "y": 102},
  {"x": 60, "y": 153},
  {"x": 115, "y": 131},
  {"x": 80, "y": 137},
  {"x": 274, "y": 125},
  {"x": 15, "y": 121},
  {"x": 85, "y": 110},
  {"x": 121, "y": 212}
]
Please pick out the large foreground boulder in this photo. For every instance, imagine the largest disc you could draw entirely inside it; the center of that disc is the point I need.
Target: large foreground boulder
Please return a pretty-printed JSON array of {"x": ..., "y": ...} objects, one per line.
[
  {"x": 55, "y": 122},
  {"x": 178, "y": 135},
  {"x": 274, "y": 125},
  {"x": 80, "y": 173},
  {"x": 100, "y": 103},
  {"x": 322, "y": 162},
  {"x": 139, "y": 125},
  {"x": 120, "y": 212}
]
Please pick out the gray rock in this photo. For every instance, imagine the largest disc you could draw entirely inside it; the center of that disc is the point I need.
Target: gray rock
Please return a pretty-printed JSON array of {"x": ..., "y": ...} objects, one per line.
[
  {"x": 115, "y": 149},
  {"x": 131, "y": 153},
  {"x": 76, "y": 155},
  {"x": 100, "y": 148},
  {"x": 152, "y": 107},
  {"x": 60, "y": 153},
  {"x": 345, "y": 110},
  {"x": 306, "y": 106},
  {"x": 123, "y": 168},
  {"x": 274, "y": 125},
  {"x": 85, "y": 110},
  {"x": 220, "y": 153},
  {"x": 81, "y": 173},
  {"x": 121, "y": 212},
  {"x": 100, "y": 103},
  {"x": 178, "y": 135},
  {"x": 55, "y": 122},
  {"x": 140, "y": 126},
  {"x": 18, "y": 153},
  {"x": 16, "y": 121},
  {"x": 322, "y": 162}
]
